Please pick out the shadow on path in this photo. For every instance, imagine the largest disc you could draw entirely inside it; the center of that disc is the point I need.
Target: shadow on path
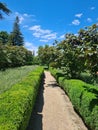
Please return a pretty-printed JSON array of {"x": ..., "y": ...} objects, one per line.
[
  {"x": 52, "y": 84},
  {"x": 35, "y": 122}
]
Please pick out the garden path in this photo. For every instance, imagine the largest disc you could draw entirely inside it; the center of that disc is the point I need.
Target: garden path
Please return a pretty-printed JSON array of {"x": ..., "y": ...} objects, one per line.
[{"x": 53, "y": 109}]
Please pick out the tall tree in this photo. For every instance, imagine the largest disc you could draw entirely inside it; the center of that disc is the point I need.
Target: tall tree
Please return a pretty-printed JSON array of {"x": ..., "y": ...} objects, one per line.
[
  {"x": 3, "y": 8},
  {"x": 16, "y": 37},
  {"x": 89, "y": 37}
]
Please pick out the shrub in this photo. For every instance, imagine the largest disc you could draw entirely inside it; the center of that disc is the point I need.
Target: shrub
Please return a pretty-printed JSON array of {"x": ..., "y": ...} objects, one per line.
[
  {"x": 84, "y": 98},
  {"x": 16, "y": 104},
  {"x": 14, "y": 56},
  {"x": 3, "y": 57}
]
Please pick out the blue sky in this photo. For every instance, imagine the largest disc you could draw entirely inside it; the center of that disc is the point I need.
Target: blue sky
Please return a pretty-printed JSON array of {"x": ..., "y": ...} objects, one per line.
[{"x": 43, "y": 21}]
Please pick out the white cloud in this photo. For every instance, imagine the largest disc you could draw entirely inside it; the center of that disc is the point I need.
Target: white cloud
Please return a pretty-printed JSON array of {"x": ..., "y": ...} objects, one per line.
[
  {"x": 49, "y": 36},
  {"x": 89, "y": 19},
  {"x": 37, "y": 28},
  {"x": 78, "y": 15},
  {"x": 30, "y": 46},
  {"x": 28, "y": 15},
  {"x": 62, "y": 36},
  {"x": 92, "y": 8},
  {"x": 21, "y": 19},
  {"x": 25, "y": 26},
  {"x": 43, "y": 34},
  {"x": 37, "y": 34},
  {"x": 16, "y": 13},
  {"x": 24, "y": 17},
  {"x": 76, "y": 22},
  {"x": 42, "y": 40}
]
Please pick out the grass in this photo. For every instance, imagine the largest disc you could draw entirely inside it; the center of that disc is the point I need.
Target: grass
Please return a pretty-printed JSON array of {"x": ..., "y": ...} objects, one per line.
[{"x": 10, "y": 77}]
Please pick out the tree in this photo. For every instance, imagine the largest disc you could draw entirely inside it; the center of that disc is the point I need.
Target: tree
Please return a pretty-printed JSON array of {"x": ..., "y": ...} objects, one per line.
[
  {"x": 35, "y": 60},
  {"x": 89, "y": 37},
  {"x": 3, "y": 57},
  {"x": 69, "y": 58},
  {"x": 46, "y": 55},
  {"x": 14, "y": 56},
  {"x": 79, "y": 53},
  {"x": 3, "y": 8},
  {"x": 4, "y": 37},
  {"x": 16, "y": 38}
]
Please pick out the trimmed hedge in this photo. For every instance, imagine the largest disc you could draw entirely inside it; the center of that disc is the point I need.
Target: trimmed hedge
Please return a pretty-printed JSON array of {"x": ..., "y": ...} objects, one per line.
[
  {"x": 84, "y": 98},
  {"x": 16, "y": 104}
]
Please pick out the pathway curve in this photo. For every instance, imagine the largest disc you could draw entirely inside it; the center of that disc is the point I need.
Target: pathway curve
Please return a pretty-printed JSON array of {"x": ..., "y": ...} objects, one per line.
[{"x": 53, "y": 109}]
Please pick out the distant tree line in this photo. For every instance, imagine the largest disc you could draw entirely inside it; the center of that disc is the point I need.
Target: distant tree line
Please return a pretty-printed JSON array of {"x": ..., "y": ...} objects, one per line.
[
  {"x": 12, "y": 50},
  {"x": 15, "y": 38},
  {"x": 75, "y": 54}
]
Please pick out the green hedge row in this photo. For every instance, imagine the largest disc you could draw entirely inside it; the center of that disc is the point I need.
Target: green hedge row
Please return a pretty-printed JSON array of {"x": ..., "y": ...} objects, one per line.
[
  {"x": 16, "y": 104},
  {"x": 84, "y": 98}
]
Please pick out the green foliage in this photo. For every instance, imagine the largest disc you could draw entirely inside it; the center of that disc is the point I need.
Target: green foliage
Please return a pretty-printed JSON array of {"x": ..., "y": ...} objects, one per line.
[
  {"x": 10, "y": 77},
  {"x": 94, "y": 116},
  {"x": 46, "y": 55},
  {"x": 84, "y": 98},
  {"x": 53, "y": 71},
  {"x": 4, "y": 37},
  {"x": 71, "y": 61},
  {"x": 14, "y": 56},
  {"x": 16, "y": 104},
  {"x": 28, "y": 57},
  {"x": 16, "y": 38},
  {"x": 12, "y": 52},
  {"x": 89, "y": 38},
  {"x": 3, "y": 9},
  {"x": 3, "y": 57},
  {"x": 35, "y": 60},
  {"x": 74, "y": 55},
  {"x": 86, "y": 77}
]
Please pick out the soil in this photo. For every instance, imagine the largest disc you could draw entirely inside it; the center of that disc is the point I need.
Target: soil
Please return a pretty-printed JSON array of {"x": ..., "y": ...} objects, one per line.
[{"x": 53, "y": 109}]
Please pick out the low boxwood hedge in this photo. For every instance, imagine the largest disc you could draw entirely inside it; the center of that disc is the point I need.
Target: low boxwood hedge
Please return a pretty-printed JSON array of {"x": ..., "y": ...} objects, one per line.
[
  {"x": 16, "y": 104},
  {"x": 84, "y": 98}
]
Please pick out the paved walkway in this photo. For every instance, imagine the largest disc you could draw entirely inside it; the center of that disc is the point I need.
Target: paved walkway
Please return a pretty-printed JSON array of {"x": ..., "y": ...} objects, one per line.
[{"x": 53, "y": 109}]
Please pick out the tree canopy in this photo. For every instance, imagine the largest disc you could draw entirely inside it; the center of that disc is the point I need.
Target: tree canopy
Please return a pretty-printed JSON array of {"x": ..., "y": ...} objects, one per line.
[
  {"x": 4, "y": 9},
  {"x": 4, "y": 36},
  {"x": 75, "y": 54}
]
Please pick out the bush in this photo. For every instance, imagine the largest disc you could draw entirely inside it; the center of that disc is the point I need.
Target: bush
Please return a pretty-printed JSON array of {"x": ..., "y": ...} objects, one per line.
[
  {"x": 84, "y": 98},
  {"x": 14, "y": 56},
  {"x": 3, "y": 57},
  {"x": 16, "y": 104}
]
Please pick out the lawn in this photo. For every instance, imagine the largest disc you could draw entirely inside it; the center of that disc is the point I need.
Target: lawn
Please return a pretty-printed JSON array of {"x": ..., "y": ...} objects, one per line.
[{"x": 10, "y": 77}]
